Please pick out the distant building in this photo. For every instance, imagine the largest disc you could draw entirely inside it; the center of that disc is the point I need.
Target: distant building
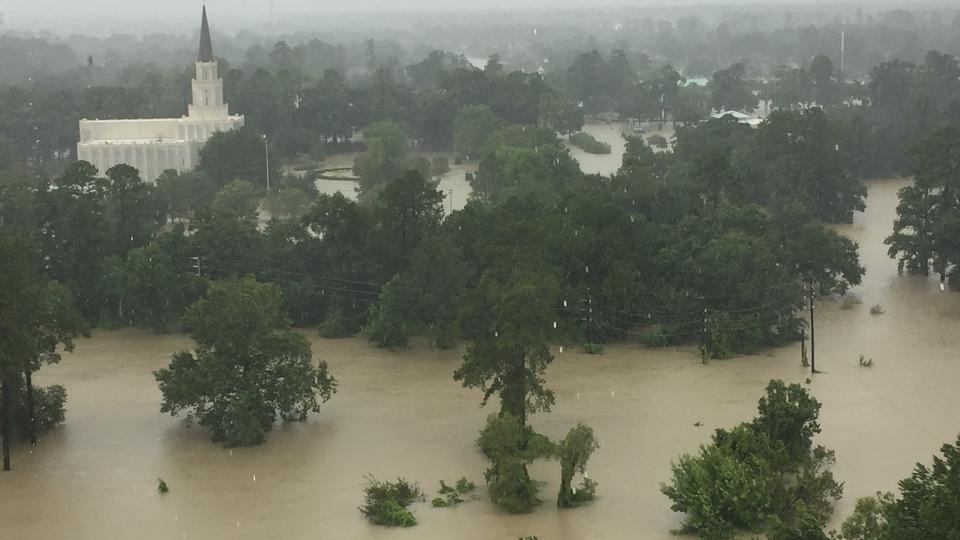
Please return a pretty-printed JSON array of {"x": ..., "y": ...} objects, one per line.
[{"x": 153, "y": 145}]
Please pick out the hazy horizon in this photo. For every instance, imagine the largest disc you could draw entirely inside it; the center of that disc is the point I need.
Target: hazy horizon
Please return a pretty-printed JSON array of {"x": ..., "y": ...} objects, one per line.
[{"x": 102, "y": 17}]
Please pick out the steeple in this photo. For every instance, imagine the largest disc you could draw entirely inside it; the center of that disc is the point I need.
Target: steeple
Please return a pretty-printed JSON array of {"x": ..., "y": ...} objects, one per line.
[{"x": 206, "y": 47}]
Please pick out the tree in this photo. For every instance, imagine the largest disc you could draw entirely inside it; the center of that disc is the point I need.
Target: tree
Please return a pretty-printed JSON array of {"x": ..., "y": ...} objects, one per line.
[
  {"x": 928, "y": 507},
  {"x": 385, "y": 156},
  {"x": 237, "y": 198},
  {"x": 37, "y": 316},
  {"x": 439, "y": 166},
  {"x": 762, "y": 475},
  {"x": 525, "y": 161},
  {"x": 926, "y": 233},
  {"x": 510, "y": 446},
  {"x": 801, "y": 156},
  {"x": 249, "y": 367},
  {"x": 75, "y": 234},
  {"x": 472, "y": 130},
  {"x": 237, "y": 155},
  {"x": 132, "y": 209},
  {"x": 729, "y": 90},
  {"x": 182, "y": 193},
  {"x": 508, "y": 319},
  {"x": 573, "y": 452},
  {"x": 151, "y": 291}
]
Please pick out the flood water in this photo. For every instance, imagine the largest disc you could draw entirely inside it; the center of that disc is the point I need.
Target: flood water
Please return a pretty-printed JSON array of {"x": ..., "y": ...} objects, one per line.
[
  {"x": 453, "y": 185},
  {"x": 401, "y": 414}
]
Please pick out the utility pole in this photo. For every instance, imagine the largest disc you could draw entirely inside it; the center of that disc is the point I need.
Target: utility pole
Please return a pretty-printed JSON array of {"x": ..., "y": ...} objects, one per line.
[
  {"x": 813, "y": 348},
  {"x": 703, "y": 339},
  {"x": 589, "y": 316},
  {"x": 843, "y": 46},
  {"x": 266, "y": 152}
]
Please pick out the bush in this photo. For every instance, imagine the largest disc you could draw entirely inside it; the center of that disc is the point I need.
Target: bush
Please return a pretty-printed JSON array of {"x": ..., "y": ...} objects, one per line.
[
  {"x": 657, "y": 141},
  {"x": 593, "y": 348},
  {"x": 849, "y": 301},
  {"x": 385, "y": 503},
  {"x": 589, "y": 144},
  {"x": 654, "y": 336},
  {"x": 877, "y": 309},
  {"x": 453, "y": 494},
  {"x": 162, "y": 486}
]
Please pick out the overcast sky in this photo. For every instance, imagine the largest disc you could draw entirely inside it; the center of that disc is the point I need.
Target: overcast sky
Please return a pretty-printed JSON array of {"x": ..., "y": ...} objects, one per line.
[{"x": 105, "y": 16}]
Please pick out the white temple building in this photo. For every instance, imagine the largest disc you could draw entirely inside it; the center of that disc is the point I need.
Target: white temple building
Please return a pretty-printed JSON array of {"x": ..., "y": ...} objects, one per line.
[{"x": 153, "y": 145}]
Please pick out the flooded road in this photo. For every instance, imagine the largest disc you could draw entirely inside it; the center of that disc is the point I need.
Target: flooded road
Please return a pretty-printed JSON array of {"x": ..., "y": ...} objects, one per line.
[{"x": 401, "y": 414}]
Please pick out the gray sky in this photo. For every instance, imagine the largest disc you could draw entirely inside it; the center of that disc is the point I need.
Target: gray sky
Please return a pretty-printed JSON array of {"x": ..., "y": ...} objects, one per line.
[{"x": 99, "y": 17}]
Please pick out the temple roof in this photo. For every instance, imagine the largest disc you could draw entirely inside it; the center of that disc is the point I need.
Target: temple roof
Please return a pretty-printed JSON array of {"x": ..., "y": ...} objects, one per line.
[{"x": 206, "y": 47}]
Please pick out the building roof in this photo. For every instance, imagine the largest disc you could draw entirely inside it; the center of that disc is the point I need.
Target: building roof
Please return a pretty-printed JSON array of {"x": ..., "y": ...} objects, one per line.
[{"x": 206, "y": 47}]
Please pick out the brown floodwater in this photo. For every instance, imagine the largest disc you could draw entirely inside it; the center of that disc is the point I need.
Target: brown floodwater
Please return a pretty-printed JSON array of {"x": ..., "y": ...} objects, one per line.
[{"x": 401, "y": 414}]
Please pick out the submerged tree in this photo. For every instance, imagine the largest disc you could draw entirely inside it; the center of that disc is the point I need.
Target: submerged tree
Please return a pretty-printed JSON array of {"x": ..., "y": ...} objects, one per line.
[
  {"x": 927, "y": 508},
  {"x": 573, "y": 452},
  {"x": 758, "y": 476},
  {"x": 37, "y": 317},
  {"x": 926, "y": 233},
  {"x": 249, "y": 367},
  {"x": 511, "y": 447}
]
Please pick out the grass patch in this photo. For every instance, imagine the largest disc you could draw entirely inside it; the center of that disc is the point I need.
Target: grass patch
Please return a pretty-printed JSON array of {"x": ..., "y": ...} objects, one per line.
[{"x": 589, "y": 144}]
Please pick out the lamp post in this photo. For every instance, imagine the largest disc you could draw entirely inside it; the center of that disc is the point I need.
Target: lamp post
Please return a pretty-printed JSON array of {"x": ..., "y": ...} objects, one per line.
[{"x": 266, "y": 152}]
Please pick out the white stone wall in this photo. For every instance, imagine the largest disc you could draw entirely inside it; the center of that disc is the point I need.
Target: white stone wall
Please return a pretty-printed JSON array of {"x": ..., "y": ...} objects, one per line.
[{"x": 154, "y": 145}]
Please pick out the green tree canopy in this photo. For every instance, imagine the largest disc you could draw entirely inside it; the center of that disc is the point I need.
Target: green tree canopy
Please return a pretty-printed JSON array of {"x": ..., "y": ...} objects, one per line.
[
  {"x": 238, "y": 155},
  {"x": 249, "y": 367}
]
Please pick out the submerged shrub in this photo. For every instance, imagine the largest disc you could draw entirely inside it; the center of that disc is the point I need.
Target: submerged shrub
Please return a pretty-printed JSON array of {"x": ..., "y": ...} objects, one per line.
[
  {"x": 385, "y": 503},
  {"x": 654, "y": 336},
  {"x": 453, "y": 493},
  {"x": 588, "y": 143},
  {"x": 593, "y": 348}
]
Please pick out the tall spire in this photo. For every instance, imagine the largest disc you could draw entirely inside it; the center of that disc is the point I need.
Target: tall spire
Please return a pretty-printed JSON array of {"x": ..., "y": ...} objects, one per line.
[{"x": 206, "y": 47}]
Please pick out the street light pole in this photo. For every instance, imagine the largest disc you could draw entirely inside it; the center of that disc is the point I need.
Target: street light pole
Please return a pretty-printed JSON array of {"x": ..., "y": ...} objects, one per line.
[{"x": 266, "y": 152}]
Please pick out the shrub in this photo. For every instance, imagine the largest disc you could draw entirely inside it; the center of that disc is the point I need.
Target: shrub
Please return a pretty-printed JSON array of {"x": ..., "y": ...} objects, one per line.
[
  {"x": 654, "y": 336},
  {"x": 589, "y": 144},
  {"x": 849, "y": 301},
  {"x": 162, "y": 486},
  {"x": 593, "y": 348},
  {"x": 658, "y": 141},
  {"x": 385, "y": 503},
  {"x": 452, "y": 494},
  {"x": 877, "y": 309}
]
